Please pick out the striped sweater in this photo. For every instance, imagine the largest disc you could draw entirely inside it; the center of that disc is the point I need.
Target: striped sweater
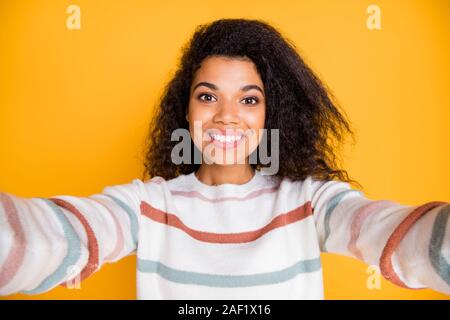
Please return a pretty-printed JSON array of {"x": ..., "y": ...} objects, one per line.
[{"x": 258, "y": 240}]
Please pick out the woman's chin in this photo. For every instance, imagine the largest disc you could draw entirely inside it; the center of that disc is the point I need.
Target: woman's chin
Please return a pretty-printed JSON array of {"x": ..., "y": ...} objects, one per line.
[{"x": 225, "y": 160}]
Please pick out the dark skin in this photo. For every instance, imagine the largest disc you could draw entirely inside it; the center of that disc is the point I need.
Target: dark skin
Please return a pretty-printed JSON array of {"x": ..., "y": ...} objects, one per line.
[{"x": 226, "y": 94}]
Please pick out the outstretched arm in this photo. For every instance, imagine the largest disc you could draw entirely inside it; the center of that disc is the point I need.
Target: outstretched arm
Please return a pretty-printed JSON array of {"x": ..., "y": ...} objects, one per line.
[
  {"x": 45, "y": 242},
  {"x": 410, "y": 244}
]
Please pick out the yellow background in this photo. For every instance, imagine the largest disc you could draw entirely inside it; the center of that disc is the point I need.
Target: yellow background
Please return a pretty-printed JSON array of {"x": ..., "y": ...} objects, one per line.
[{"x": 75, "y": 104}]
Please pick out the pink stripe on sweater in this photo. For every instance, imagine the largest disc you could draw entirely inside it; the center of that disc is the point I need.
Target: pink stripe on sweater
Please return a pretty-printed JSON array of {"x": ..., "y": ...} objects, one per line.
[
  {"x": 196, "y": 194},
  {"x": 199, "y": 195},
  {"x": 157, "y": 180},
  {"x": 297, "y": 214},
  {"x": 119, "y": 242},
  {"x": 93, "y": 246},
  {"x": 386, "y": 266},
  {"x": 358, "y": 220},
  {"x": 17, "y": 252}
]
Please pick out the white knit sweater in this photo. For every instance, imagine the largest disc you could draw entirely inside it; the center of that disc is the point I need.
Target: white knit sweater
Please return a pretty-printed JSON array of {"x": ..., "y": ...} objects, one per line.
[{"x": 258, "y": 240}]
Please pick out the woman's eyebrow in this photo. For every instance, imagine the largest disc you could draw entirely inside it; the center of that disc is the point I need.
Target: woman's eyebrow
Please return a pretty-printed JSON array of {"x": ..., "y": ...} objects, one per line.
[
  {"x": 214, "y": 87},
  {"x": 206, "y": 84},
  {"x": 252, "y": 86}
]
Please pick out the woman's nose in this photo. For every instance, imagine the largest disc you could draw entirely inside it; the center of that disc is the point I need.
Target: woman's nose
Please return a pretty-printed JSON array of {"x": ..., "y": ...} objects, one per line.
[{"x": 228, "y": 112}]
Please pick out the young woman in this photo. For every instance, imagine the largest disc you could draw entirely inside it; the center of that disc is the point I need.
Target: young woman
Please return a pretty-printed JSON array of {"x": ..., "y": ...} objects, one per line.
[{"x": 233, "y": 225}]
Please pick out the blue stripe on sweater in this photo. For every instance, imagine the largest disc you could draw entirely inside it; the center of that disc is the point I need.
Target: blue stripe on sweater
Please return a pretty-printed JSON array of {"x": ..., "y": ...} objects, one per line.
[
  {"x": 331, "y": 205},
  {"x": 228, "y": 281},
  {"x": 71, "y": 258},
  {"x": 131, "y": 215},
  {"x": 440, "y": 265}
]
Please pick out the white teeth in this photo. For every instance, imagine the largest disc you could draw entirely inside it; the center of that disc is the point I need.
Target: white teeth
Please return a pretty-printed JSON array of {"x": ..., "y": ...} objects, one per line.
[{"x": 228, "y": 138}]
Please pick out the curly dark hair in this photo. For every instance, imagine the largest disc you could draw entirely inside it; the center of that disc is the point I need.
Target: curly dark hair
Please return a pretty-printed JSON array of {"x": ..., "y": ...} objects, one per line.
[{"x": 310, "y": 124}]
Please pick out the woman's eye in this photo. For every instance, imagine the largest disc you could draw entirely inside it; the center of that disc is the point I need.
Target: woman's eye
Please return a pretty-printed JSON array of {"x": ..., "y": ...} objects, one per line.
[
  {"x": 206, "y": 97},
  {"x": 250, "y": 100}
]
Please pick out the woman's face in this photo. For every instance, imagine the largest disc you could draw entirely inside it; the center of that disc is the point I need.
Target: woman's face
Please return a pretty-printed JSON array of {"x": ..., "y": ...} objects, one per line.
[{"x": 226, "y": 110}]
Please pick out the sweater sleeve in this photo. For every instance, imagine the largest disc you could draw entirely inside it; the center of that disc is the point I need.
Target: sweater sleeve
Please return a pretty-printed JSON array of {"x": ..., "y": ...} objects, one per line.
[
  {"x": 409, "y": 244},
  {"x": 62, "y": 240}
]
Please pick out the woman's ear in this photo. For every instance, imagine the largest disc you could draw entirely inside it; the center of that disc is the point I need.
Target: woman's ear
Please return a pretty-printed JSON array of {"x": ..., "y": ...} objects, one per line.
[{"x": 187, "y": 116}]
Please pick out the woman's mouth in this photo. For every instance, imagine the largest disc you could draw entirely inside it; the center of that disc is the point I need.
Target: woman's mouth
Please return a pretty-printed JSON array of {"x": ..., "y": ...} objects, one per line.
[{"x": 226, "y": 141}]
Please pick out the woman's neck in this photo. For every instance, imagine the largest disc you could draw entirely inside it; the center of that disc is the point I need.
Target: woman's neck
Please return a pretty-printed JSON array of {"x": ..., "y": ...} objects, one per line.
[{"x": 214, "y": 174}]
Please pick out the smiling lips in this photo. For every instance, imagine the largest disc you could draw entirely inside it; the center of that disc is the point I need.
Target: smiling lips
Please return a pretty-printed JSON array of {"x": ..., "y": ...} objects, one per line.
[{"x": 225, "y": 141}]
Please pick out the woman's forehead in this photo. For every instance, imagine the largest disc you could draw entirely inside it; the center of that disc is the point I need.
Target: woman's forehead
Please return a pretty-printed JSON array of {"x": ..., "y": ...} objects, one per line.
[{"x": 227, "y": 72}]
